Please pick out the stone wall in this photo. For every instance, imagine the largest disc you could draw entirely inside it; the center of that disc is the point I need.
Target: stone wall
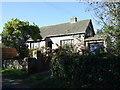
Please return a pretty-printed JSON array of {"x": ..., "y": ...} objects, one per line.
[
  {"x": 15, "y": 63},
  {"x": 32, "y": 65}
]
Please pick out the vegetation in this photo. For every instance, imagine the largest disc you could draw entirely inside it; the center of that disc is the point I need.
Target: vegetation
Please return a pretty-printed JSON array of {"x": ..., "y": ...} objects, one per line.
[
  {"x": 101, "y": 70},
  {"x": 32, "y": 79},
  {"x": 107, "y": 14},
  {"x": 53, "y": 83},
  {"x": 13, "y": 73},
  {"x": 72, "y": 70},
  {"x": 16, "y": 33}
]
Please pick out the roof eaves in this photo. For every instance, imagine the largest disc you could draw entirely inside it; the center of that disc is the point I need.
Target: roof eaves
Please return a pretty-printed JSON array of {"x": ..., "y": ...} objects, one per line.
[
  {"x": 64, "y": 34},
  {"x": 85, "y": 24}
]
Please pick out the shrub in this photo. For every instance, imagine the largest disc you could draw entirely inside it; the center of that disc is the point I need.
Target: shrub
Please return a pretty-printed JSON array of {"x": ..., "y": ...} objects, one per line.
[
  {"x": 14, "y": 73},
  {"x": 53, "y": 83},
  {"x": 32, "y": 79},
  {"x": 99, "y": 70}
]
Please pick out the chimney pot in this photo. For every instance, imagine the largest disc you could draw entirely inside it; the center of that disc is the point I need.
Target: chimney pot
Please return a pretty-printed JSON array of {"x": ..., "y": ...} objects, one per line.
[{"x": 73, "y": 19}]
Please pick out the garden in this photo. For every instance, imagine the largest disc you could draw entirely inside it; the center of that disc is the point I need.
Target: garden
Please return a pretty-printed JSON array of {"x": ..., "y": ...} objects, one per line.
[
  {"x": 72, "y": 70},
  {"x": 69, "y": 69}
]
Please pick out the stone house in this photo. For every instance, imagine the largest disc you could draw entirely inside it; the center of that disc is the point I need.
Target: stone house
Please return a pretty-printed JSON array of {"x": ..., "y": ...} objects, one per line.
[{"x": 78, "y": 33}]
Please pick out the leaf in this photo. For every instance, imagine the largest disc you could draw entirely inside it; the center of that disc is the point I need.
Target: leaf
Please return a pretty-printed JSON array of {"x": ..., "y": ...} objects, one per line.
[{"x": 15, "y": 33}]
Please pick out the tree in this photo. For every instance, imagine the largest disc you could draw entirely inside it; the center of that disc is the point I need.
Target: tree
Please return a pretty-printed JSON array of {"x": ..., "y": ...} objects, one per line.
[
  {"x": 108, "y": 16},
  {"x": 15, "y": 34}
]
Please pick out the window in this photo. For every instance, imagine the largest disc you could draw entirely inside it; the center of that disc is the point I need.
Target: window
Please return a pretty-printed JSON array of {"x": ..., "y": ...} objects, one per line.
[
  {"x": 33, "y": 44},
  {"x": 95, "y": 46},
  {"x": 68, "y": 42},
  {"x": 36, "y": 45}
]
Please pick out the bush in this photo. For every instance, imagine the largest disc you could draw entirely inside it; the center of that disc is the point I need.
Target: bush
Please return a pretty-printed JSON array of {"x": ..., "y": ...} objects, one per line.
[
  {"x": 14, "y": 73},
  {"x": 32, "y": 79},
  {"x": 100, "y": 70},
  {"x": 23, "y": 51},
  {"x": 53, "y": 83}
]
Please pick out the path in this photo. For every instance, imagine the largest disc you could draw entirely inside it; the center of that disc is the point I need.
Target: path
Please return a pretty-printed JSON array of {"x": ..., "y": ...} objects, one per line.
[{"x": 8, "y": 83}]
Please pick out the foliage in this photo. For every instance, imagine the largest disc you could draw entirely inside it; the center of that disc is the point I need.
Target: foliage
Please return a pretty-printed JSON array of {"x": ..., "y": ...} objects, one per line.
[
  {"x": 16, "y": 33},
  {"x": 100, "y": 70},
  {"x": 14, "y": 73},
  {"x": 32, "y": 79},
  {"x": 31, "y": 51},
  {"x": 108, "y": 16},
  {"x": 53, "y": 83},
  {"x": 106, "y": 13}
]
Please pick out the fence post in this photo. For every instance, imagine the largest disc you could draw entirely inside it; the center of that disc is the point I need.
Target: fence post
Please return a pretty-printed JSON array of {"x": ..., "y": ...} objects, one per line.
[
  {"x": 32, "y": 65},
  {"x": 40, "y": 61},
  {"x": 39, "y": 55}
]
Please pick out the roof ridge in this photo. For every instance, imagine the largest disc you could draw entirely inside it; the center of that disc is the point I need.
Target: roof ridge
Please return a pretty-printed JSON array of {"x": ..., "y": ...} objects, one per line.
[
  {"x": 54, "y": 25},
  {"x": 59, "y": 29},
  {"x": 65, "y": 23}
]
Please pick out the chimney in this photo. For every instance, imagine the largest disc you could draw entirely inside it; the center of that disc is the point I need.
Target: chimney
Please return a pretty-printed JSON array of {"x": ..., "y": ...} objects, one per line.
[{"x": 73, "y": 20}]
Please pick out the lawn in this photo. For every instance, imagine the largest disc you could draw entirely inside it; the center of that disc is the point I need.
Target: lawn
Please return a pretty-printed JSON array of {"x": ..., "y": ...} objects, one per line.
[{"x": 13, "y": 73}]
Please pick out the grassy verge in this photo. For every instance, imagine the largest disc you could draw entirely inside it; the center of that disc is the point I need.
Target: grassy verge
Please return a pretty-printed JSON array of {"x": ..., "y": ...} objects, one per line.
[
  {"x": 53, "y": 83},
  {"x": 13, "y": 73},
  {"x": 32, "y": 79}
]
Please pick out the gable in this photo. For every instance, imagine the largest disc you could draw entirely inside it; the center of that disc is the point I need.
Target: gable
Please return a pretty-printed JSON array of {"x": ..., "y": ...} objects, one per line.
[
  {"x": 64, "y": 29},
  {"x": 90, "y": 30}
]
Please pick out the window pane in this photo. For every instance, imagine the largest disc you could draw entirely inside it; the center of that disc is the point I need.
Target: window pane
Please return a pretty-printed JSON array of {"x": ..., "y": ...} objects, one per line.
[
  {"x": 67, "y": 42},
  {"x": 35, "y": 45},
  {"x": 32, "y": 45}
]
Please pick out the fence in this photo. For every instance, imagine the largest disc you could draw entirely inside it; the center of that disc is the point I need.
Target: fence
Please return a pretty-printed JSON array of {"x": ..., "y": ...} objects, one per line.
[
  {"x": 9, "y": 52},
  {"x": 38, "y": 64}
]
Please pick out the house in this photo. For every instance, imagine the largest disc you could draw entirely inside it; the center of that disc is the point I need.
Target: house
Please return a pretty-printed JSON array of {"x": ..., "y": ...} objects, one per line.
[{"x": 79, "y": 33}]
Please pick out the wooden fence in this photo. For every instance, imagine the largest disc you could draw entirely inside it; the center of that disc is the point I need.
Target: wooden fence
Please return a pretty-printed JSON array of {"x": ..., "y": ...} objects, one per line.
[{"x": 9, "y": 52}]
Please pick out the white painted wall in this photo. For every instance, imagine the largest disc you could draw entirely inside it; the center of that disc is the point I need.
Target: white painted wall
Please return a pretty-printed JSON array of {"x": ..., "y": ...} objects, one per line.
[
  {"x": 78, "y": 40},
  {"x": 42, "y": 44},
  {"x": 56, "y": 40}
]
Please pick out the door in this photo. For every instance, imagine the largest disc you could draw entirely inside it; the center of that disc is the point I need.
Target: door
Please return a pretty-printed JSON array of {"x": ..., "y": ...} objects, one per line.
[{"x": 50, "y": 44}]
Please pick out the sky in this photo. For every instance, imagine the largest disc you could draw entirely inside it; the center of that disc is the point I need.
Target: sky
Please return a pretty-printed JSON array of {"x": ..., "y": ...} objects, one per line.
[{"x": 45, "y": 13}]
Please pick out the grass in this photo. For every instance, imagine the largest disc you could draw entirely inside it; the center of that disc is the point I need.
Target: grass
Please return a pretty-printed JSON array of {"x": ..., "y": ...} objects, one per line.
[
  {"x": 13, "y": 73},
  {"x": 32, "y": 79},
  {"x": 61, "y": 83},
  {"x": 53, "y": 83}
]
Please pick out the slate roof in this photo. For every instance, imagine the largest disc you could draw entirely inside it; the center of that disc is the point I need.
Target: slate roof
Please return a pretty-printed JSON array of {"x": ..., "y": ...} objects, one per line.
[
  {"x": 96, "y": 37},
  {"x": 64, "y": 29}
]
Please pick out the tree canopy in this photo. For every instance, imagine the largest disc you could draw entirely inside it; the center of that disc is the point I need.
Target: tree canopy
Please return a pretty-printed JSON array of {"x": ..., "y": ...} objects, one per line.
[
  {"x": 16, "y": 32},
  {"x": 107, "y": 14}
]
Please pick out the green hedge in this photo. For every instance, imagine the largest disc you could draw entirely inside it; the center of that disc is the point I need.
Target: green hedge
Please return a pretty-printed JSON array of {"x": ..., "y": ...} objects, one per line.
[
  {"x": 100, "y": 70},
  {"x": 13, "y": 73},
  {"x": 53, "y": 83}
]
